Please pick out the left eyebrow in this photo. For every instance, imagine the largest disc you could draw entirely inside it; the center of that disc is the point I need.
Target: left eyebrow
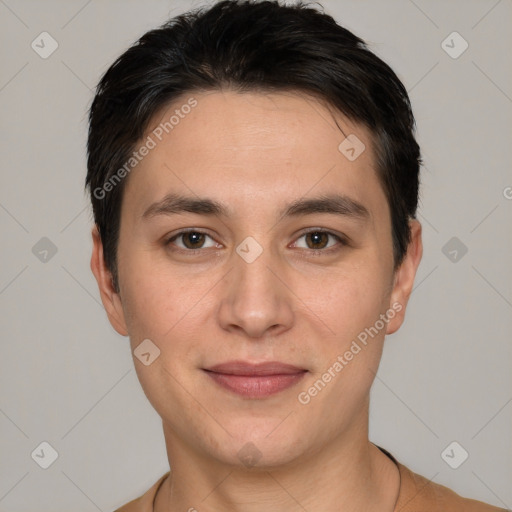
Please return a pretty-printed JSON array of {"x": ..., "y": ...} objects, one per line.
[{"x": 331, "y": 204}]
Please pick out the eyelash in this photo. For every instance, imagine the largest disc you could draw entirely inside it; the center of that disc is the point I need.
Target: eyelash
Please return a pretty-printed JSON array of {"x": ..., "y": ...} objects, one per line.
[{"x": 341, "y": 241}]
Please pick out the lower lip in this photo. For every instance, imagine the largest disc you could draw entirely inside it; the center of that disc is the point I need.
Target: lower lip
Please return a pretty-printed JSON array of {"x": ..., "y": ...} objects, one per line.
[{"x": 258, "y": 386}]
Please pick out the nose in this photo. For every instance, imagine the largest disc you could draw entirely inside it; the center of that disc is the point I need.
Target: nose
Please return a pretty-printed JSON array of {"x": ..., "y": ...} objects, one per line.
[{"x": 256, "y": 301}]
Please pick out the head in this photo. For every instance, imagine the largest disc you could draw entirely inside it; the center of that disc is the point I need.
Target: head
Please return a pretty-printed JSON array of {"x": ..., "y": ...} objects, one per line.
[{"x": 286, "y": 149}]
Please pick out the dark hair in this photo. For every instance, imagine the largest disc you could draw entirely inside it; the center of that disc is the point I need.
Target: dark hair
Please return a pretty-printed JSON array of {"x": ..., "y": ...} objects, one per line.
[{"x": 250, "y": 46}]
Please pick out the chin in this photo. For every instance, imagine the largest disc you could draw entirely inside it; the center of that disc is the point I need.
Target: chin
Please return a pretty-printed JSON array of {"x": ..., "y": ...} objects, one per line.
[{"x": 264, "y": 443}]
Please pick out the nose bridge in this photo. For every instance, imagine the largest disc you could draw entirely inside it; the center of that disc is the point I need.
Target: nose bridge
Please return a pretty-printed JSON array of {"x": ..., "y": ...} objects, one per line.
[
  {"x": 255, "y": 281},
  {"x": 255, "y": 300}
]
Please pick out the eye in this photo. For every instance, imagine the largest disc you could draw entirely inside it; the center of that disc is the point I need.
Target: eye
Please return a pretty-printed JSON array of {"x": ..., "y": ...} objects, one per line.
[
  {"x": 190, "y": 240},
  {"x": 318, "y": 239}
]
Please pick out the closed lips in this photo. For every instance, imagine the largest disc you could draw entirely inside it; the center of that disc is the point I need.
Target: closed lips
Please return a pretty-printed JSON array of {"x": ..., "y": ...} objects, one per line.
[{"x": 255, "y": 370}]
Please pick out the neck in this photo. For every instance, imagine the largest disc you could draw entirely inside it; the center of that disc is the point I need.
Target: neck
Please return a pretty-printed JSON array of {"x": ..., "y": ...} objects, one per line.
[{"x": 349, "y": 474}]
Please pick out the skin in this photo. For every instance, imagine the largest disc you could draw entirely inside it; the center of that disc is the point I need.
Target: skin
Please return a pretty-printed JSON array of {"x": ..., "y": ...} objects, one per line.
[{"x": 256, "y": 153}]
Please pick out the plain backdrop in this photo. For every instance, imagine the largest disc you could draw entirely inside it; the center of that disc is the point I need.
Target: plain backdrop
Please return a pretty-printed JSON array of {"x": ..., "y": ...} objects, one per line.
[{"x": 66, "y": 377}]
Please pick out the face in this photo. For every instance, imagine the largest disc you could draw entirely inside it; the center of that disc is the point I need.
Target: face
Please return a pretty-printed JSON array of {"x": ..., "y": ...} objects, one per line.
[{"x": 248, "y": 235}]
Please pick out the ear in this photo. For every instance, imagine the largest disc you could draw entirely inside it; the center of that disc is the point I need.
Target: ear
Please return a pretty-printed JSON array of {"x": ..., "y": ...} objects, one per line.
[
  {"x": 110, "y": 298},
  {"x": 404, "y": 277}
]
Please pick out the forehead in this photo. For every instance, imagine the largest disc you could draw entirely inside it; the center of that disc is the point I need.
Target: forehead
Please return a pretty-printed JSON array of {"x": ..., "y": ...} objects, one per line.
[{"x": 252, "y": 149}]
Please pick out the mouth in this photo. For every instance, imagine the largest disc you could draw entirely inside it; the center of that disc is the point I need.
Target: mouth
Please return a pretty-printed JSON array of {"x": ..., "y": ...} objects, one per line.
[{"x": 255, "y": 381}]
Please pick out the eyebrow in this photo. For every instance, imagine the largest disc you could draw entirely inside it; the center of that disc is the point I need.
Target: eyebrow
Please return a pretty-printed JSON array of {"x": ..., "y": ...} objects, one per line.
[{"x": 336, "y": 204}]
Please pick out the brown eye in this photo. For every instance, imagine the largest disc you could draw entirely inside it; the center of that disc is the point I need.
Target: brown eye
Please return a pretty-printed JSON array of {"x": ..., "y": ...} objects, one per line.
[
  {"x": 319, "y": 239},
  {"x": 191, "y": 240}
]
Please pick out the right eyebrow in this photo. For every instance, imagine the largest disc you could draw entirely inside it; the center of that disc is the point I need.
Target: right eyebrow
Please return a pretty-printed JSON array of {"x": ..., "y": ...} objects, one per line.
[{"x": 175, "y": 204}]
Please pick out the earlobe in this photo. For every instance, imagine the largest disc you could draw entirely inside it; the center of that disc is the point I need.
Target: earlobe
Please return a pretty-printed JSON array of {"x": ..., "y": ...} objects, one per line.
[
  {"x": 404, "y": 276},
  {"x": 109, "y": 296}
]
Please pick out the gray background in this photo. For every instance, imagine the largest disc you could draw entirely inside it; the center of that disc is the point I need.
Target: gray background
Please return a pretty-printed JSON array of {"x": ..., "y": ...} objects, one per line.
[{"x": 67, "y": 378}]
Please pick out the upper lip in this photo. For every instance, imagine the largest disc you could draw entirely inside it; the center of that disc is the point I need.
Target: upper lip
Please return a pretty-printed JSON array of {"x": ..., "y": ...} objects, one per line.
[{"x": 246, "y": 368}]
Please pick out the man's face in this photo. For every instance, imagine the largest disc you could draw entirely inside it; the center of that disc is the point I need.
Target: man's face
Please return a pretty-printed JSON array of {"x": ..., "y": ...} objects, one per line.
[{"x": 215, "y": 295}]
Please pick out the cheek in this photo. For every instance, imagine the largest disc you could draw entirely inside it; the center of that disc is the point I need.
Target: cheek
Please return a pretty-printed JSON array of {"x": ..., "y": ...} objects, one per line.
[
  {"x": 167, "y": 309},
  {"x": 351, "y": 356},
  {"x": 151, "y": 298},
  {"x": 149, "y": 310},
  {"x": 352, "y": 300},
  {"x": 162, "y": 310}
]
